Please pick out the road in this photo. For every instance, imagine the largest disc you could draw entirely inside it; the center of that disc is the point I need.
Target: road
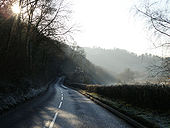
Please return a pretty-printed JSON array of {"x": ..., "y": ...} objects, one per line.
[{"x": 60, "y": 107}]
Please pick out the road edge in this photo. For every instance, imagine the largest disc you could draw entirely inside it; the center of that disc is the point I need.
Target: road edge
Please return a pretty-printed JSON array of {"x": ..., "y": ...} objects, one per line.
[
  {"x": 122, "y": 116},
  {"x": 13, "y": 106}
]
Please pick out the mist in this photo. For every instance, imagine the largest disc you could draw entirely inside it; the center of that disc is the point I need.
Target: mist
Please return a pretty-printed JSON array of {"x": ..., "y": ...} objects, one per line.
[{"x": 126, "y": 66}]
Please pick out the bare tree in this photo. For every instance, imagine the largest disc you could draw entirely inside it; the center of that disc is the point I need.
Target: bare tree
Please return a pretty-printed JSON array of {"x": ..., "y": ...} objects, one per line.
[
  {"x": 157, "y": 15},
  {"x": 160, "y": 70},
  {"x": 127, "y": 76},
  {"x": 48, "y": 17},
  {"x": 5, "y": 7},
  {"x": 37, "y": 18}
]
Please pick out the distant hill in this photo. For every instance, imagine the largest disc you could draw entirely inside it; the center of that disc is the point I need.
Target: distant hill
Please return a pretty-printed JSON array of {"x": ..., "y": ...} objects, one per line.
[{"x": 116, "y": 61}]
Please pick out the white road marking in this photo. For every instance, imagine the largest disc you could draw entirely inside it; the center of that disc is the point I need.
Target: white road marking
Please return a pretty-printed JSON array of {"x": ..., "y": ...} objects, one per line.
[
  {"x": 60, "y": 105},
  {"x": 61, "y": 91},
  {"x": 46, "y": 124},
  {"x": 64, "y": 86},
  {"x": 52, "y": 123}
]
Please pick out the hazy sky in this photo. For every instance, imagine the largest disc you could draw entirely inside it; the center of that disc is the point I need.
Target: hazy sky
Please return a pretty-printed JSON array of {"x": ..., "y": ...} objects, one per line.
[{"x": 110, "y": 24}]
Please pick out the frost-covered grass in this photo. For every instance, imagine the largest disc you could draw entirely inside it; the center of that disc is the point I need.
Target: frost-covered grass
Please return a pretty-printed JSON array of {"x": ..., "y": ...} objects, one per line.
[
  {"x": 148, "y": 103},
  {"x": 155, "y": 97},
  {"x": 9, "y": 100},
  {"x": 161, "y": 120}
]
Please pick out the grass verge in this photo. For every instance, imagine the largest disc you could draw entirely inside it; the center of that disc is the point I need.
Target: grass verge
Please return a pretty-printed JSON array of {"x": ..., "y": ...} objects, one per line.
[{"x": 147, "y": 117}]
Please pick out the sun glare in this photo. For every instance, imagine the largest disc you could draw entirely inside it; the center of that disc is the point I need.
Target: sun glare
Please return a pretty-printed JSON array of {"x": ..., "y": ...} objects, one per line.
[{"x": 15, "y": 8}]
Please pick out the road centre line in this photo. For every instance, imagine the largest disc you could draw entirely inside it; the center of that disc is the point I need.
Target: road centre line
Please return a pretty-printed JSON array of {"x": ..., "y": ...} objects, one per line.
[
  {"x": 60, "y": 105},
  {"x": 60, "y": 89},
  {"x": 56, "y": 114},
  {"x": 52, "y": 123}
]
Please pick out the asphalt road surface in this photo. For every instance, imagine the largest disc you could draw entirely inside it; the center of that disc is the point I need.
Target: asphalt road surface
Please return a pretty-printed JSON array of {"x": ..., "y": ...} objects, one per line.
[{"x": 60, "y": 107}]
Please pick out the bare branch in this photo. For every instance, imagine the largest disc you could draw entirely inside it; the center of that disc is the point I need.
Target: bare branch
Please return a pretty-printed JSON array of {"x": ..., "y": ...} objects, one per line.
[{"x": 162, "y": 32}]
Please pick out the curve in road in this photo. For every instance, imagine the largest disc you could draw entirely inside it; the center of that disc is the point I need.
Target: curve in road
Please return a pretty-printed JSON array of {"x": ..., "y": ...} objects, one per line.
[{"x": 60, "y": 107}]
